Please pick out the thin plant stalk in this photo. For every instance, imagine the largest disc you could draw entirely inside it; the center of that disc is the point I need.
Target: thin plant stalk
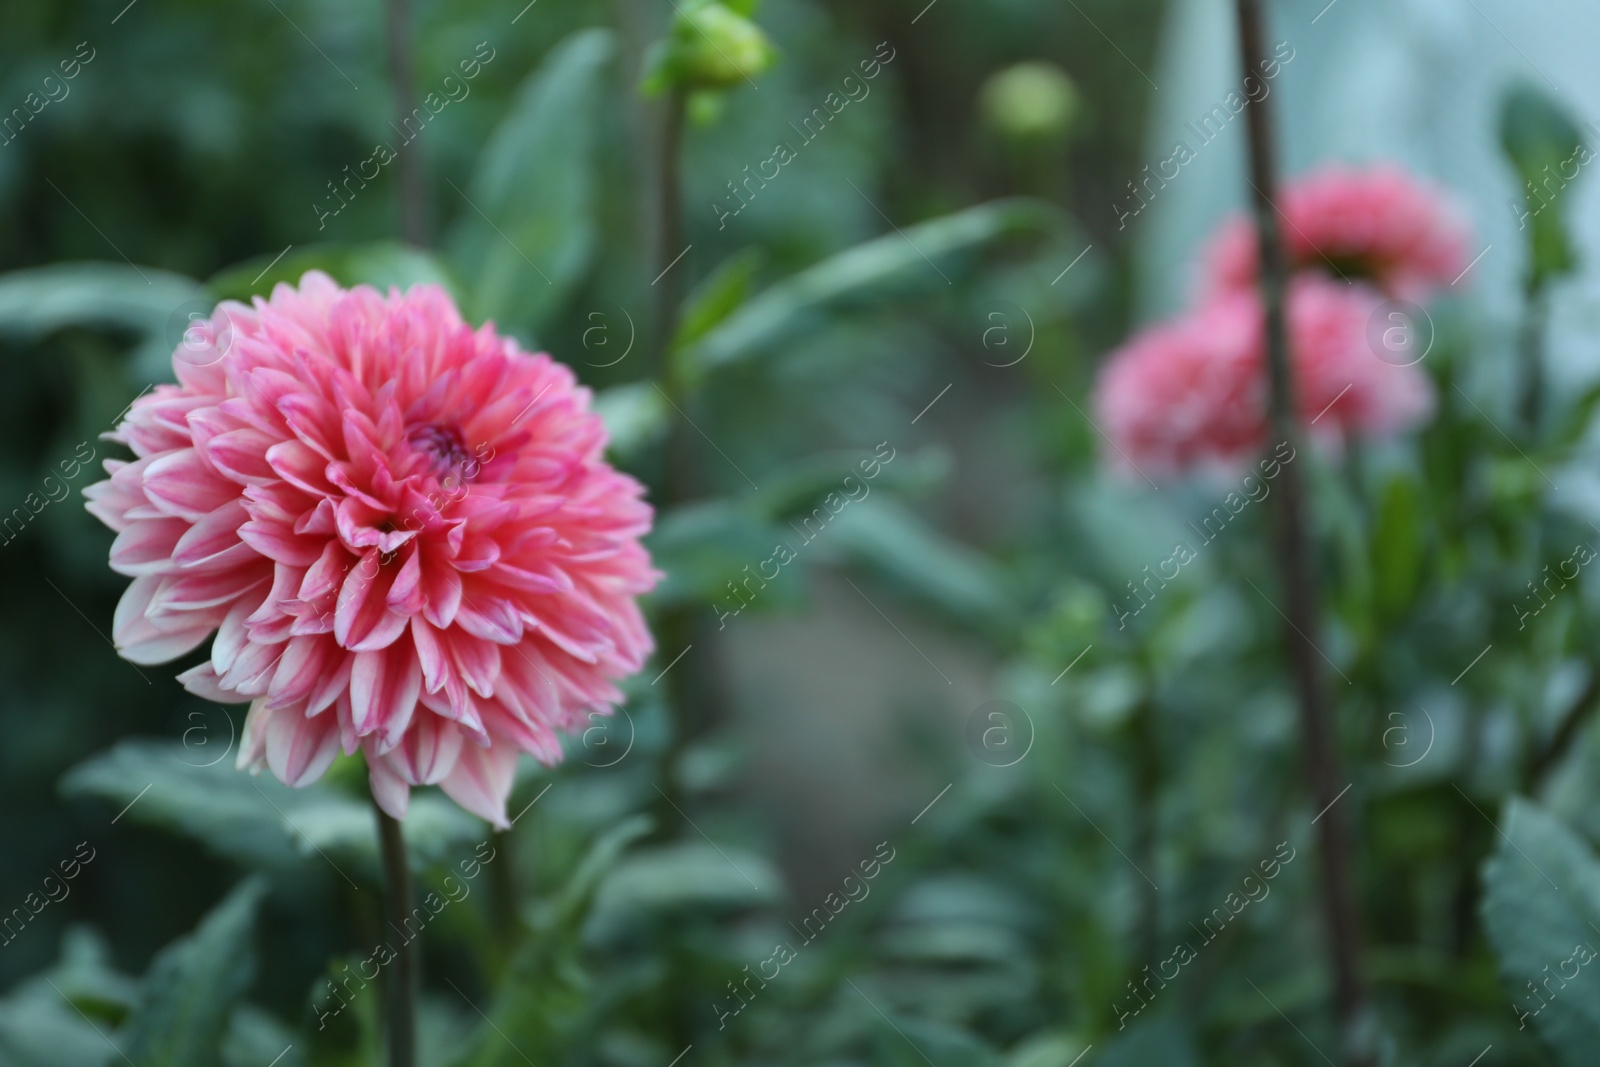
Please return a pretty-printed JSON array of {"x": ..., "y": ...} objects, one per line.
[
  {"x": 1341, "y": 915},
  {"x": 412, "y": 177},
  {"x": 401, "y": 1014},
  {"x": 690, "y": 686}
]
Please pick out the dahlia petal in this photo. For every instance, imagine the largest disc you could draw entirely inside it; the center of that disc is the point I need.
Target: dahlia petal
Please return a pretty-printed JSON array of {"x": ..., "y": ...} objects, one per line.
[
  {"x": 204, "y": 683},
  {"x": 391, "y": 791},
  {"x": 180, "y": 483},
  {"x": 299, "y": 749},
  {"x": 481, "y": 781},
  {"x": 242, "y": 455},
  {"x": 384, "y": 686},
  {"x": 428, "y": 751},
  {"x": 146, "y": 547},
  {"x": 214, "y": 540},
  {"x": 362, "y": 620},
  {"x": 142, "y": 640}
]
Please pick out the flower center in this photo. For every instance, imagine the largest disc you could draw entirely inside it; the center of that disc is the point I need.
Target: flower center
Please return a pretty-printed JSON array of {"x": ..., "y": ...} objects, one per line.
[{"x": 444, "y": 449}]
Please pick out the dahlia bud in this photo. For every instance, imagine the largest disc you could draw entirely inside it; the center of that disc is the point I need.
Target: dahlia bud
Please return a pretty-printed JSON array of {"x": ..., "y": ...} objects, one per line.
[
  {"x": 1032, "y": 101},
  {"x": 711, "y": 45}
]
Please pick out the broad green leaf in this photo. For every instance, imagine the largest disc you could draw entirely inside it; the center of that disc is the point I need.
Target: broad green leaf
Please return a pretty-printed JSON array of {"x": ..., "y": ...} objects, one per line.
[
  {"x": 256, "y": 1038},
  {"x": 526, "y": 229},
  {"x": 667, "y": 880},
  {"x": 1052, "y": 1048},
  {"x": 156, "y": 306},
  {"x": 193, "y": 984},
  {"x": 257, "y": 820},
  {"x": 38, "y": 1028},
  {"x": 62, "y": 1017},
  {"x": 904, "y": 260},
  {"x": 896, "y": 545},
  {"x": 39, "y": 300},
  {"x": 1546, "y": 148},
  {"x": 380, "y": 264},
  {"x": 1162, "y": 1040},
  {"x": 1541, "y": 907}
]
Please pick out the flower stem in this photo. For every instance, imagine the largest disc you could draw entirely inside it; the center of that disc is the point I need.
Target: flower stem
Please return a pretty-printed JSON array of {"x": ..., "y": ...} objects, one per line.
[
  {"x": 402, "y": 985},
  {"x": 1341, "y": 914},
  {"x": 412, "y": 181}
]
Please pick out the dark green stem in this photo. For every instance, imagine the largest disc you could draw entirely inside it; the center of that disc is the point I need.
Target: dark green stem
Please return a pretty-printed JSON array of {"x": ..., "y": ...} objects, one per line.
[
  {"x": 1530, "y": 342},
  {"x": 402, "y": 984},
  {"x": 411, "y": 180},
  {"x": 1341, "y": 915}
]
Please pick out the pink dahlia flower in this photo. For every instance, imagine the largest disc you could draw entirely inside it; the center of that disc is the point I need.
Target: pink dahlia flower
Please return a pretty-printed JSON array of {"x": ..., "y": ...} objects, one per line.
[
  {"x": 1381, "y": 224},
  {"x": 1191, "y": 394},
  {"x": 401, "y": 530}
]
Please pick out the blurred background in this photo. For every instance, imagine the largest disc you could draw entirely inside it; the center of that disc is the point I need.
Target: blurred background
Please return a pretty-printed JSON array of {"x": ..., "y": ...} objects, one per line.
[{"x": 934, "y": 275}]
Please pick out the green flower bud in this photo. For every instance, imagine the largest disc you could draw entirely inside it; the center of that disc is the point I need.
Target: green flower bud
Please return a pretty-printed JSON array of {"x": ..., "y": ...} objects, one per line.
[
  {"x": 1032, "y": 101},
  {"x": 710, "y": 46}
]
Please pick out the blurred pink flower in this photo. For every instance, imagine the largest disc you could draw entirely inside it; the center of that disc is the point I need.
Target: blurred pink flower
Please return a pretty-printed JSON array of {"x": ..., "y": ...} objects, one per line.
[
  {"x": 1190, "y": 394},
  {"x": 1380, "y": 224},
  {"x": 402, "y": 530}
]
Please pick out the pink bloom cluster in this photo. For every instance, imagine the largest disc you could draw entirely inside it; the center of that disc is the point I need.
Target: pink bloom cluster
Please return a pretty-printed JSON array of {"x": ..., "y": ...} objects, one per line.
[
  {"x": 1191, "y": 393},
  {"x": 401, "y": 530}
]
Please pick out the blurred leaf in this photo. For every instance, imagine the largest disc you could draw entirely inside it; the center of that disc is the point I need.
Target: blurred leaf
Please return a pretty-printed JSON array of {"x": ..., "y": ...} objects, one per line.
[
  {"x": 1542, "y": 144},
  {"x": 256, "y": 1038},
  {"x": 1049, "y": 1049},
  {"x": 896, "y": 545},
  {"x": 155, "y": 305},
  {"x": 571, "y": 904},
  {"x": 193, "y": 983},
  {"x": 526, "y": 229},
  {"x": 1541, "y": 907},
  {"x": 703, "y": 547},
  {"x": 36, "y": 301},
  {"x": 905, "y": 258},
  {"x": 1397, "y": 545},
  {"x": 635, "y": 416},
  {"x": 664, "y": 880},
  {"x": 718, "y": 296},
  {"x": 1162, "y": 1040},
  {"x": 40, "y": 1029},
  {"x": 88, "y": 978},
  {"x": 60, "y": 1018},
  {"x": 255, "y": 819},
  {"x": 380, "y": 264}
]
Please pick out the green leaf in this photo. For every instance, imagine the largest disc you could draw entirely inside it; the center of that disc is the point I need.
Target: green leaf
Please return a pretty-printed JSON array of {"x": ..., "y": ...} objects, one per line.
[
  {"x": 255, "y": 1038},
  {"x": 62, "y": 1017},
  {"x": 40, "y": 300},
  {"x": 380, "y": 264},
  {"x": 718, "y": 296},
  {"x": 574, "y": 899},
  {"x": 1541, "y": 907},
  {"x": 1160, "y": 1040},
  {"x": 1547, "y": 150},
  {"x": 897, "y": 545},
  {"x": 1397, "y": 546},
  {"x": 703, "y": 547},
  {"x": 905, "y": 259},
  {"x": 667, "y": 880},
  {"x": 193, "y": 984},
  {"x": 635, "y": 416},
  {"x": 527, "y": 227},
  {"x": 155, "y": 305},
  {"x": 256, "y": 820}
]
